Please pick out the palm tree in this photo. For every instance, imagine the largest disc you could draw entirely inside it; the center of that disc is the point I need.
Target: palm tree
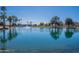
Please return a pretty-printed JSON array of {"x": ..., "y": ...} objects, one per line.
[
  {"x": 69, "y": 22},
  {"x": 1, "y": 21},
  {"x": 10, "y": 20},
  {"x": 0, "y": 18},
  {"x": 55, "y": 21},
  {"x": 3, "y": 15},
  {"x": 15, "y": 19}
]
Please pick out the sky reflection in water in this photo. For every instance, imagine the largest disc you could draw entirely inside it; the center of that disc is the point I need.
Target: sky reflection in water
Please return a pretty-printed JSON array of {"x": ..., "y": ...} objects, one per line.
[{"x": 26, "y": 39}]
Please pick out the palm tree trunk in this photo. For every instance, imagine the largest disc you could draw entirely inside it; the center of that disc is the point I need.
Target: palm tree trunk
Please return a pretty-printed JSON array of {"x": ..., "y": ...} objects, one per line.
[
  {"x": 10, "y": 24},
  {"x": 3, "y": 22}
]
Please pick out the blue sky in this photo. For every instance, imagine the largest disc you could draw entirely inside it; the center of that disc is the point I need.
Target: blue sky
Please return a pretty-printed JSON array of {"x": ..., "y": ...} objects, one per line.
[{"x": 44, "y": 13}]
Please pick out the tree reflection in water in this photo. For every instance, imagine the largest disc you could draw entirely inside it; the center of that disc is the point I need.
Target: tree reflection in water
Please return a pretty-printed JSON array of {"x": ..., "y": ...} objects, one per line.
[
  {"x": 3, "y": 41},
  {"x": 69, "y": 33},
  {"x": 55, "y": 33},
  {"x": 12, "y": 33}
]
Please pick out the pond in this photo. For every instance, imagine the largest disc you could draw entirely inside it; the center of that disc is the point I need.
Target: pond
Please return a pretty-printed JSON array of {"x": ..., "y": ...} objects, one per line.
[{"x": 39, "y": 40}]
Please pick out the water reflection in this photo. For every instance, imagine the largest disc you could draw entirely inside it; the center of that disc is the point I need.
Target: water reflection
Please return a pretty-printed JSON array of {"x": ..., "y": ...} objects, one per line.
[
  {"x": 3, "y": 41},
  {"x": 69, "y": 33},
  {"x": 12, "y": 33},
  {"x": 55, "y": 33},
  {"x": 6, "y": 36}
]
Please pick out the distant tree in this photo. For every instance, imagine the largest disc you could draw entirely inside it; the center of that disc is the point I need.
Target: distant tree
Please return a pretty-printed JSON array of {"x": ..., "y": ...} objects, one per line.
[
  {"x": 34, "y": 24},
  {"x": 15, "y": 19},
  {"x": 55, "y": 20},
  {"x": 69, "y": 22},
  {"x": 10, "y": 20},
  {"x": 41, "y": 23}
]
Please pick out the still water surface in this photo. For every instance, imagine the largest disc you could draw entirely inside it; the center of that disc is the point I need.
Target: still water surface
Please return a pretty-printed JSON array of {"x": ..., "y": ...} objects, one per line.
[{"x": 41, "y": 40}]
